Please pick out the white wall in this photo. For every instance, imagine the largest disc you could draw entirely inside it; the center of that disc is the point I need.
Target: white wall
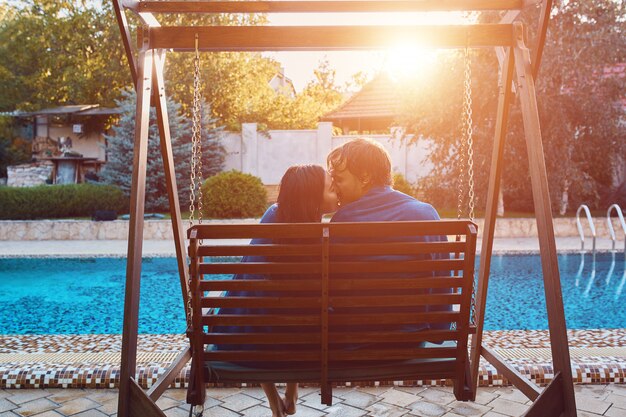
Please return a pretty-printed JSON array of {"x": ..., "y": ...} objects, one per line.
[{"x": 268, "y": 154}]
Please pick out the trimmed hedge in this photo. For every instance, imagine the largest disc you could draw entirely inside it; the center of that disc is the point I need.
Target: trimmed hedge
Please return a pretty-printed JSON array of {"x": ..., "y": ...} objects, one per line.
[
  {"x": 54, "y": 201},
  {"x": 233, "y": 195}
]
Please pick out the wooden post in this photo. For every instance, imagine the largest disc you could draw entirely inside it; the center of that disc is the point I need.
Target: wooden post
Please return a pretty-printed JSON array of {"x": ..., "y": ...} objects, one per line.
[
  {"x": 170, "y": 177},
  {"x": 545, "y": 227},
  {"x": 493, "y": 190},
  {"x": 122, "y": 22},
  {"x": 135, "y": 237}
]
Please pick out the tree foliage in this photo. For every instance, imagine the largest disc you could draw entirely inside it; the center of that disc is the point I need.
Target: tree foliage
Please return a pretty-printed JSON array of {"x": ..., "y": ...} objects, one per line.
[
  {"x": 118, "y": 169},
  {"x": 579, "y": 107}
]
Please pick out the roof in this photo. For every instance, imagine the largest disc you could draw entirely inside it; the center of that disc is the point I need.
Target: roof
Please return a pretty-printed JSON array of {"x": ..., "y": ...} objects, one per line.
[
  {"x": 377, "y": 99},
  {"x": 75, "y": 109}
]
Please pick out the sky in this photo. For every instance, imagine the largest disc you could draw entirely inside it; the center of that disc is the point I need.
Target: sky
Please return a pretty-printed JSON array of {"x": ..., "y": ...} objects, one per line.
[{"x": 400, "y": 61}]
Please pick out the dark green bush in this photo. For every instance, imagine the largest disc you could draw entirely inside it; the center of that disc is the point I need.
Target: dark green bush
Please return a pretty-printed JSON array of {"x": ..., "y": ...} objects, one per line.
[
  {"x": 54, "y": 201},
  {"x": 233, "y": 195},
  {"x": 401, "y": 184}
]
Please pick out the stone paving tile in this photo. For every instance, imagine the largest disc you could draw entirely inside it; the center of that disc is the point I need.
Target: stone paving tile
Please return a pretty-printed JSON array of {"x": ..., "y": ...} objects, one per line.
[
  {"x": 304, "y": 411},
  {"x": 399, "y": 398},
  {"x": 238, "y": 402},
  {"x": 438, "y": 396},
  {"x": 4, "y": 393},
  {"x": 257, "y": 411},
  {"x": 451, "y": 415},
  {"x": 512, "y": 394},
  {"x": 35, "y": 407},
  {"x": 592, "y": 405},
  {"x": 493, "y": 414},
  {"x": 313, "y": 400},
  {"x": 599, "y": 392},
  {"x": 342, "y": 410},
  {"x": 166, "y": 403},
  {"x": 586, "y": 414},
  {"x": 425, "y": 408},
  {"x": 381, "y": 409},
  {"x": 6, "y": 405},
  {"x": 77, "y": 405},
  {"x": 177, "y": 394},
  {"x": 375, "y": 390},
  {"x": 358, "y": 399},
  {"x": 9, "y": 414},
  {"x": 614, "y": 411},
  {"x": 91, "y": 413},
  {"x": 109, "y": 407},
  {"x": 616, "y": 400},
  {"x": 101, "y": 395},
  {"x": 467, "y": 408},
  {"x": 484, "y": 397},
  {"x": 28, "y": 395},
  {"x": 60, "y": 395},
  {"x": 508, "y": 408},
  {"x": 176, "y": 412},
  {"x": 221, "y": 393},
  {"x": 219, "y": 412},
  {"x": 411, "y": 390}
]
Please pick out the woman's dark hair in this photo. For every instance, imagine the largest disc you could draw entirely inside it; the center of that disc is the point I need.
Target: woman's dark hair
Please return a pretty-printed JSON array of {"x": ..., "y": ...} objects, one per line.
[{"x": 300, "y": 194}]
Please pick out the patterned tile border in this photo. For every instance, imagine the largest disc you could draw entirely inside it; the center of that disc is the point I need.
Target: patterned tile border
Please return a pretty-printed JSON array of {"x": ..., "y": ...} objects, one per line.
[{"x": 94, "y": 374}]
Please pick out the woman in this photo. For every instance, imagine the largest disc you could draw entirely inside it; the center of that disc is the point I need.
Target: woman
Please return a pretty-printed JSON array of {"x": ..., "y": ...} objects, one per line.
[{"x": 304, "y": 195}]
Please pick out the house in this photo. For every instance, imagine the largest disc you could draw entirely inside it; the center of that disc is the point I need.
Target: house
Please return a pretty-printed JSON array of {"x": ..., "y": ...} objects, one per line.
[
  {"x": 371, "y": 110},
  {"x": 282, "y": 85},
  {"x": 68, "y": 139}
]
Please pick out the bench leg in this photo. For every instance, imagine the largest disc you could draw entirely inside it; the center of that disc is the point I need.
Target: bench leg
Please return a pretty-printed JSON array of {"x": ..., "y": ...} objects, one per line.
[
  {"x": 327, "y": 393},
  {"x": 196, "y": 393}
]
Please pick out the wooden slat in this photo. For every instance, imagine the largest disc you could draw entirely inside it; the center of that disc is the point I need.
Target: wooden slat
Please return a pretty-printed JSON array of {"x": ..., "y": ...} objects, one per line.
[
  {"x": 395, "y": 248},
  {"x": 262, "y": 338},
  {"x": 395, "y": 300},
  {"x": 261, "y": 285},
  {"x": 526, "y": 386},
  {"x": 395, "y": 266},
  {"x": 248, "y": 231},
  {"x": 550, "y": 401},
  {"x": 383, "y": 337},
  {"x": 259, "y": 320},
  {"x": 326, "y": 38},
  {"x": 327, "y": 6},
  {"x": 140, "y": 405},
  {"x": 341, "y": 284},
  {"x": 260, "y": 302},
  {"x": 260, "y": 250},
  {"x": 263, "y": 268},
  {"x": 170, "y": 374},
  {"x": 403, "y": 228},
  {"x": 393, "y": 318},
  {"x": 262, "y": 355},
  {"x": 391, "y": 354}
]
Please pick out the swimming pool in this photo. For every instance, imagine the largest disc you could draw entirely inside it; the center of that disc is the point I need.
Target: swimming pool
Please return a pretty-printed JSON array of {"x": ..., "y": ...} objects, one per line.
[{"x": 86, "y": 295}]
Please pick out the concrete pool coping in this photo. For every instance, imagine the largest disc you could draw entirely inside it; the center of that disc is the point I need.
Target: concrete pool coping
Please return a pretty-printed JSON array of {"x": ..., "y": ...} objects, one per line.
[{"x": 159, "y": 248}]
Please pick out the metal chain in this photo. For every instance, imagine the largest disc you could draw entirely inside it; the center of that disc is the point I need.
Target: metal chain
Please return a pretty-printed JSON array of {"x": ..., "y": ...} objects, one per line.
[
  {"x": 468, "y": 136},
  {"x": 196, "y": 162}
]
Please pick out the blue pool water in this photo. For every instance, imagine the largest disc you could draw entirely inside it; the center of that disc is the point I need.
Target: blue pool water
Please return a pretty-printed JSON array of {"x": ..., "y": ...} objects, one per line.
[{"x": 83, "y": 296}]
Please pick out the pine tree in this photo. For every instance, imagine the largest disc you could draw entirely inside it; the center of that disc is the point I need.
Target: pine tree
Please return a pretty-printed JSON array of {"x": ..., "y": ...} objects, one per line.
[{"x": 118, "y": 169}]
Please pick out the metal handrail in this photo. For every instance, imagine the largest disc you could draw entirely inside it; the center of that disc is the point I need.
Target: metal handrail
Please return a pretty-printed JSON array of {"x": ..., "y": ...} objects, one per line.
[
  {"x": 580, "y": 227},
  {"x": 622, "y": 222}
]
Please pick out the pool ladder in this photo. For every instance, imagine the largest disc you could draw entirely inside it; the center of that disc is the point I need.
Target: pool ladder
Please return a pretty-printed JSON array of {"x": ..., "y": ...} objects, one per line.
[
  {"x": 580, "y": 227},
  {"x": 592, "y": 226},
  {"x": 620, "y": 215}
]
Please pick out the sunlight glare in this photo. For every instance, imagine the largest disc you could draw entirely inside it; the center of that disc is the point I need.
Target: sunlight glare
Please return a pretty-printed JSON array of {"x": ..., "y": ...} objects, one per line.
[{"x": 406, "y": 61}]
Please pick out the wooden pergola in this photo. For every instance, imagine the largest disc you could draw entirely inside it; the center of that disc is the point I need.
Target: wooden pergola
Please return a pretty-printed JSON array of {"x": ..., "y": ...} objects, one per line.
[{"x": 517, "y": 63}]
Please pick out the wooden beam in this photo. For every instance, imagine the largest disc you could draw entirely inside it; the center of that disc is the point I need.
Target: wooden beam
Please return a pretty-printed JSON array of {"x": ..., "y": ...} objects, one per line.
[
  {"x": 550, "y": 402},
  {"x": 321, "y": 6},
  {"x": 544, "y": 19},
  {"x": 545, "y": 225},
  {"x": 493, "y": 189},
  {"x": 141, "y": 405},
  {"x": 170, "y": 177},
  {"x": 296, "y": 38},
  {"x": 526, "y": 386},
  {"x": 135, "y": 237},
  {"x": 122, "y": 22},
  {"x": 170, "y": 375}
]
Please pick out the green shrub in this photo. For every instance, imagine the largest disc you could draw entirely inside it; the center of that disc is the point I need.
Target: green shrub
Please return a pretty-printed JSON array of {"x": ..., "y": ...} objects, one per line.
[
  {"x": 233, "y": 195},
  {"x": 401, "y": 184},
  {"x": 54, "y": 201}
]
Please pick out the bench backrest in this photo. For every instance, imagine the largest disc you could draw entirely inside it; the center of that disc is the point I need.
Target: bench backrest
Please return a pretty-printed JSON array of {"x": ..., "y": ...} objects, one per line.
[{"x": 325, "y": 294}]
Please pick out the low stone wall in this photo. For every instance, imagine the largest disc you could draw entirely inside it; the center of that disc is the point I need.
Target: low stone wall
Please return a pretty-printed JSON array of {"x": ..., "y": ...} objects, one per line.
[
  {"x": 162, "y": 229},
  {"x": 29, "y": 175}
]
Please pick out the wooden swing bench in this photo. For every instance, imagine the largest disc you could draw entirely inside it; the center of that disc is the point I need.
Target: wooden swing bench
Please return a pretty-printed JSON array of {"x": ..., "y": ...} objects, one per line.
[{"x": 317, "y": 309}]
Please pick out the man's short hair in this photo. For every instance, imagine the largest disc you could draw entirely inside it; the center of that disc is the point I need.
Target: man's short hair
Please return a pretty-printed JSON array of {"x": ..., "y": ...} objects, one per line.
[{"x": 363, "y": 157}]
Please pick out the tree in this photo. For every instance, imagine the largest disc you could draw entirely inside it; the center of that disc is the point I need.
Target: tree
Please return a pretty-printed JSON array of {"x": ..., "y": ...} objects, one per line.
[
  {"x": 118, "y": 169},
  {"x": 578, "y": 106},
  {"x": 59, "y": 52}
]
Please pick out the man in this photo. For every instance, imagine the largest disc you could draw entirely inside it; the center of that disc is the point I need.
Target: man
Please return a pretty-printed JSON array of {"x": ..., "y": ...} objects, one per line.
[
  {"x": 361, "y": 173},
  {"x": 362, "y": 178}
]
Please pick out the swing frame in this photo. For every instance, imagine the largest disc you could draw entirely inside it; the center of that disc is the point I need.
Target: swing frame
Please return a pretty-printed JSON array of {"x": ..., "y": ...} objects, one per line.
[{"x": 507, "y": 37}]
